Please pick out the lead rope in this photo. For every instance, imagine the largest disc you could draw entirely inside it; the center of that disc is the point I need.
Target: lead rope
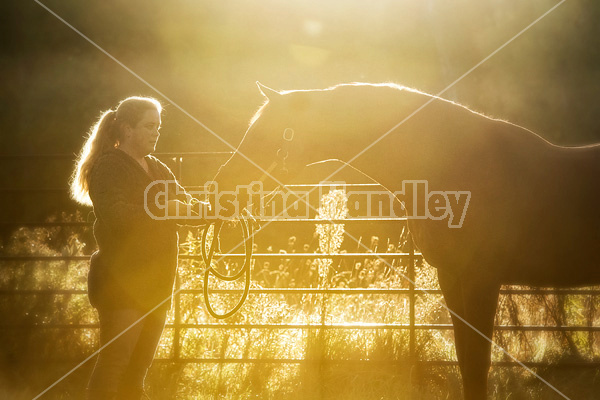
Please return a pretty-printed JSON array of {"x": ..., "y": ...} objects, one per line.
[
  {"x": 246, "y": 268},
  {"x": 347, "y": 164}
]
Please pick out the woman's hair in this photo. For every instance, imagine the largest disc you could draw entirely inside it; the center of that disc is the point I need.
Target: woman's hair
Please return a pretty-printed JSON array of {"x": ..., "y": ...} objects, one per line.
[{"x": 105, "y": 135}]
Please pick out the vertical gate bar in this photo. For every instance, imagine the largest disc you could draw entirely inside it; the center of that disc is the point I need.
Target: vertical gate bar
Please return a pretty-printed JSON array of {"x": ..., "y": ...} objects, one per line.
[
  {"x": 177, "y": 319},
  {"x": 177, "y": 311},
  {"x": 411, "y": 310},
  {"x": 411, "y": 295}
]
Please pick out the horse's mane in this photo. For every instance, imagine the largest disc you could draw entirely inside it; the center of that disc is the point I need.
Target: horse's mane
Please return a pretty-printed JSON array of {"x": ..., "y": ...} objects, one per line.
[
  {"x": 388, "y": 85},
  {"x": 258, "y": 113},
  {"x": 395, "y": 86}
]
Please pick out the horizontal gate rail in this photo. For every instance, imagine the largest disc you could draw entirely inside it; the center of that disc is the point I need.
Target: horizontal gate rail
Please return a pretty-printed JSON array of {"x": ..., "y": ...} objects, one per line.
[
  {"x": 438, "y": 363},
  {"x": 294, "y": 291},
  {"x": 72, "y": 157},
  {"x": 357, "y": 326},
  {"x": 262, "y": 221},
  {"x": 433, "y": 363},
  {"x": 290, "y": 256}
]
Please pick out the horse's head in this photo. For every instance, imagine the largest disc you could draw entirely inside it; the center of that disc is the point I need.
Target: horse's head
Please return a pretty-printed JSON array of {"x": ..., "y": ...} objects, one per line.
[
  {"x": 276, "y": 145},
  {"x": 295, "y": 128}
]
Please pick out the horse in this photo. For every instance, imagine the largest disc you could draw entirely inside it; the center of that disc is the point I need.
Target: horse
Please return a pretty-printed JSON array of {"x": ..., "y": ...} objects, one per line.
[{"x": 534, "y": 212}]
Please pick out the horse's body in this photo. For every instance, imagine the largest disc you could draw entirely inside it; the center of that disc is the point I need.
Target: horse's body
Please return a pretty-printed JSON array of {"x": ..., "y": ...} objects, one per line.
[{"x": 534, "y": 211}]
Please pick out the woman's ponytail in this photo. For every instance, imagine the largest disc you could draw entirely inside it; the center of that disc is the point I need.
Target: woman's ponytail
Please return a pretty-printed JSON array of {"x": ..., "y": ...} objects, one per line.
[{"x": 103, "y": 136}]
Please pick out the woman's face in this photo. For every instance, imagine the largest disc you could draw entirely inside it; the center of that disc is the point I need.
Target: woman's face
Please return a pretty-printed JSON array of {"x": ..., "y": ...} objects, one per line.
[{"x": 142, "y": 138}]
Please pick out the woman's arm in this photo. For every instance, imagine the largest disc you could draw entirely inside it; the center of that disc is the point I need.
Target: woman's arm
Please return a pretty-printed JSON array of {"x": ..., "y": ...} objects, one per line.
[
  {"x": 188, "y": 213},
  {"x": 185, "y": 208}
]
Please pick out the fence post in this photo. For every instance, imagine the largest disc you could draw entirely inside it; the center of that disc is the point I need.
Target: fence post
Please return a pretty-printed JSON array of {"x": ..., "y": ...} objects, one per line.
[
  {"x": 177, "y": 319},
  {"x": 177, "y": 299},
  {"x": 411, "y": 311}
]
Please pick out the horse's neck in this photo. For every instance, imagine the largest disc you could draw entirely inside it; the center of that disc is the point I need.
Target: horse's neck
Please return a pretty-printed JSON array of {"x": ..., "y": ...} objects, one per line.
[
  {"x": 441, "y": 143},
  {"x": 397, "y": 138},
  {"x": 362, "y": 116}
]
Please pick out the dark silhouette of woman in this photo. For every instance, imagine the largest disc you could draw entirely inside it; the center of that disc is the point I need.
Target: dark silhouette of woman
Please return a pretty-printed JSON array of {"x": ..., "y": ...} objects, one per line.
[{"x": 131, "y": 275}]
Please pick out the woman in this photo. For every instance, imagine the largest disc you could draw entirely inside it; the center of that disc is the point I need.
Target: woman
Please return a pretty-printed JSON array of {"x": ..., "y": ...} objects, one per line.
[{"x": 132, "y": 273}]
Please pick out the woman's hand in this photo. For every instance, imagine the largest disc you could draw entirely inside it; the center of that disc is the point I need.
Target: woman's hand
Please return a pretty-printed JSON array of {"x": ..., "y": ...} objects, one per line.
[{"x": 175, "y": 208}]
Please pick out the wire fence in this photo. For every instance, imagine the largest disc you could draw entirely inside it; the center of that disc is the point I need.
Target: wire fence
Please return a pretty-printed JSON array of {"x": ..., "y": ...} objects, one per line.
[{"x": 412, "y": 293}]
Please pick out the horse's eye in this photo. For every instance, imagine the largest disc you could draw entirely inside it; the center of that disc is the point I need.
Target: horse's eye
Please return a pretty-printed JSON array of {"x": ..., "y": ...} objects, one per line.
[{"x": 288, "y": 134}]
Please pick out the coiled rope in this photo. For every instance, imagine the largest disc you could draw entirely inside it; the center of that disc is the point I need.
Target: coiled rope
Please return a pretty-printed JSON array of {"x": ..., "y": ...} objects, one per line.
[{"x": 247, "y": 227}]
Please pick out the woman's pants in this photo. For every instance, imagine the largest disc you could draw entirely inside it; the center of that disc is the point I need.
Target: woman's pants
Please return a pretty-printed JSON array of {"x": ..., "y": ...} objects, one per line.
[{"x": 122, "y": 365}]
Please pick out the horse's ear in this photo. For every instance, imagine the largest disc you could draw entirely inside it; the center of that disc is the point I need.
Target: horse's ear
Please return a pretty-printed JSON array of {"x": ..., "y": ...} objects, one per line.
[{"x": 267, "y": 91}]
